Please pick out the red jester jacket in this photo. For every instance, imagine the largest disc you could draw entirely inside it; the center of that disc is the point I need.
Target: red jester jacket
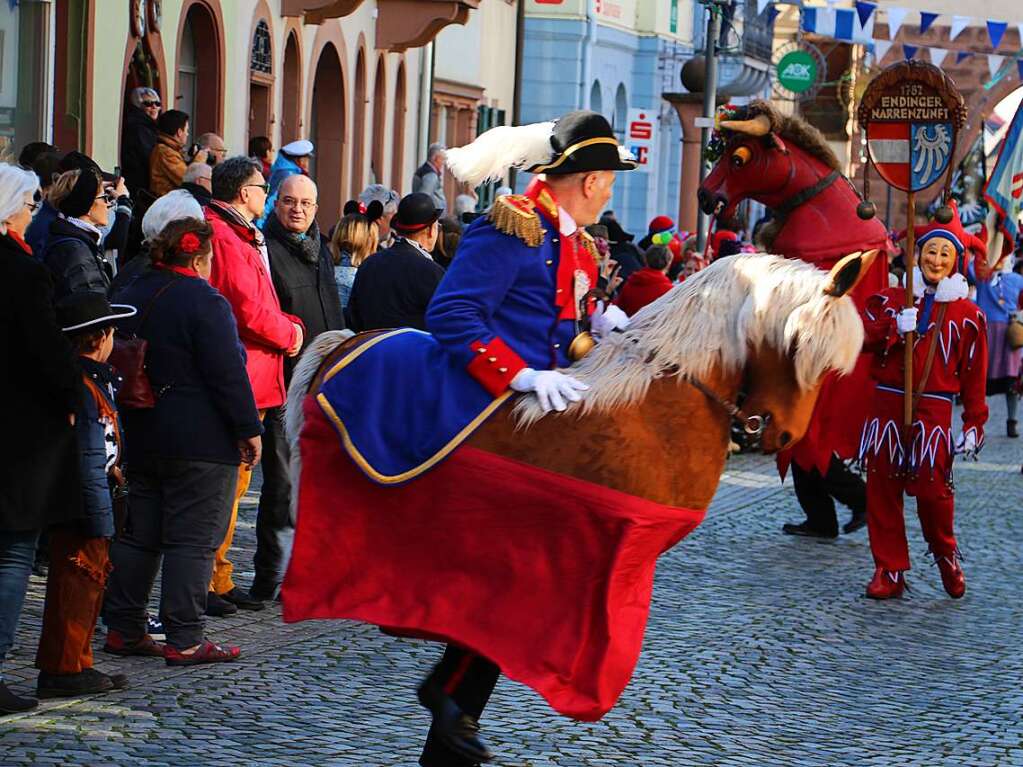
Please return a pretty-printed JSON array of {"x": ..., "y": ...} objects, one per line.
[{"x": 959, "y": 367}]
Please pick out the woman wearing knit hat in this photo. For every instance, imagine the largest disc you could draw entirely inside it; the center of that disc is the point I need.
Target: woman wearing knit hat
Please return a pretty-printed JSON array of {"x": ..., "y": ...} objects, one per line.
[{"x": 73, "y": 251}]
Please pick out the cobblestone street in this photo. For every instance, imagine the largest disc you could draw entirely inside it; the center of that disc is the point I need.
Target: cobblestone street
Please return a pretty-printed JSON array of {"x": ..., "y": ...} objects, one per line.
[{"x": 760, "y": 650}]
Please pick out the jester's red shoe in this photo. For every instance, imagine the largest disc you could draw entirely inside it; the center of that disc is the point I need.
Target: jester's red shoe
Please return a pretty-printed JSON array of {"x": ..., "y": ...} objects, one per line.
[
  {"x": 952, "y": 576},
  {"x": 886, "y": 584}
]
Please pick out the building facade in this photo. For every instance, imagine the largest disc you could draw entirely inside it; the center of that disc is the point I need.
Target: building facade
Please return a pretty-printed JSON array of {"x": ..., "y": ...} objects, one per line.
[
  {"x": 350, "y": 75},
  {"x": 615, "y": 57}
]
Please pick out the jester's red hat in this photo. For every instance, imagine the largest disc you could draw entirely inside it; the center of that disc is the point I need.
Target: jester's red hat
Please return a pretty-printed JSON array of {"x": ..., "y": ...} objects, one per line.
[{"x": 967, "y": 245}]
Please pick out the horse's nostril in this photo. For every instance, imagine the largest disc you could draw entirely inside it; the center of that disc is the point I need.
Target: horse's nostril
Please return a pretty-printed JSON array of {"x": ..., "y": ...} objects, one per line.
[{"x": 784, "y": 438}]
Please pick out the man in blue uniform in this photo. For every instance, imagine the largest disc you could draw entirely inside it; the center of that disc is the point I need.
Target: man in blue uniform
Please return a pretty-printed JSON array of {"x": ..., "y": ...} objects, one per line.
[{"x": 515, "y": 304}]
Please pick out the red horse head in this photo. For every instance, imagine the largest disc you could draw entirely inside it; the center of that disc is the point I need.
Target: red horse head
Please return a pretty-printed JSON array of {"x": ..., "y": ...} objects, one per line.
[{"x": 757, "y": 162}]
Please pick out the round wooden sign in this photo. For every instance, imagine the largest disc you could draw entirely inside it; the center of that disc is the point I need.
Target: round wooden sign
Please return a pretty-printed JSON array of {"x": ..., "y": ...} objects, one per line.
[{"x": 912, "y": 114}]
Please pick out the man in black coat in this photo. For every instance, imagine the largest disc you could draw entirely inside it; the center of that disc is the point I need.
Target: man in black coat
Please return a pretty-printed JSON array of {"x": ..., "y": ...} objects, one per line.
[
  {"x": 303, "y": 276},
  {"x": 393, "y": 287},
  {"x": 39, "y": 473}
]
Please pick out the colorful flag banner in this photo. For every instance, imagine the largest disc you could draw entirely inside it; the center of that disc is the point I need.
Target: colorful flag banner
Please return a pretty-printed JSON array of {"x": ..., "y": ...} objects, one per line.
[
  {"x": 926, "y": 19},
  {"x": 909, "y": 51},
  {"x": 841, "y": 24},
  {"x": 864, "y": 10},
  {"x": 881, "y": 48},
  {"x": 1004, "y": 189},
  {"x": 959, "y": 23},
  {"x": 938, "y": 55},
  {"x": 995, "y": 31},
  {"x": 994, "y": 63},
  {"x": 895, "y": 18},
  {"x": 962, "y": 55}
]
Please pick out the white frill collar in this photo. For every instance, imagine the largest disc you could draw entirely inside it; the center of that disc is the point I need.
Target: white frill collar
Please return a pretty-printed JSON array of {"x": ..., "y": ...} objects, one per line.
[{"x": 951, "y": 288}]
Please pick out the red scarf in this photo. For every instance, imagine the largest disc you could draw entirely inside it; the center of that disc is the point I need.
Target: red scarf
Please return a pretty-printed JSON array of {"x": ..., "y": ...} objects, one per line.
[
  {"x": 573, "y": 257},
  {"x": 185, "y": 271},
  {"x": 17, "y": 238}
]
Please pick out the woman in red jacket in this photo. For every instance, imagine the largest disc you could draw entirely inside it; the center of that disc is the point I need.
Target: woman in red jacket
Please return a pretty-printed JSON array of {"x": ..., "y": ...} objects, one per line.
[
  {"x": 648, "y": 284},
  {"x": 949, "y": 358}
]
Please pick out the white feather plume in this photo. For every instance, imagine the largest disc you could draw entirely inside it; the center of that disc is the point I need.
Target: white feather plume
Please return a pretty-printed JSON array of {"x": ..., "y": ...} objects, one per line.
[{"x": 492, "y": 153}]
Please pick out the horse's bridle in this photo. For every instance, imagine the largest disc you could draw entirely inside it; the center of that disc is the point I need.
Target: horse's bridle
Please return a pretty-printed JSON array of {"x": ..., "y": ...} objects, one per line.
[{"x": 752, "y": 426}]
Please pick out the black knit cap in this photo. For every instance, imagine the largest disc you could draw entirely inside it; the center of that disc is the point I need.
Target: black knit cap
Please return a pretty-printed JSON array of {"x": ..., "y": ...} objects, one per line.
[
  {"x": 83, "y": 194},
  {"x": 583, "y": 141}
]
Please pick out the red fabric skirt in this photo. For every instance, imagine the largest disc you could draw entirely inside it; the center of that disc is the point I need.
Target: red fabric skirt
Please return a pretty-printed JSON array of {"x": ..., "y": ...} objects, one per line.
[{"x": 546, "y": 575}]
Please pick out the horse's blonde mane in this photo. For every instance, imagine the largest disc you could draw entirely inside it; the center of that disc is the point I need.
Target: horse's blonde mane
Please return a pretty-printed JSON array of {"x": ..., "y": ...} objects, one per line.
[{"x": 711, "y": 320}]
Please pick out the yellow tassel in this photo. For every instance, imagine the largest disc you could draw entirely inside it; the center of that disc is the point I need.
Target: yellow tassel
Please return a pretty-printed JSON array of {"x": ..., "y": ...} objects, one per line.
[
  {"x": 589, "y": 245},
  {"x": 515, "y": 214}
]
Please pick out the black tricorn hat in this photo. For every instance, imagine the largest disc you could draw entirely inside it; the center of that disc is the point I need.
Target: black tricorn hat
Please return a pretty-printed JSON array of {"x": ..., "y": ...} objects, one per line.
[
  {"x": 415, "y": 212},
  {"x": 583, "y": 141}
]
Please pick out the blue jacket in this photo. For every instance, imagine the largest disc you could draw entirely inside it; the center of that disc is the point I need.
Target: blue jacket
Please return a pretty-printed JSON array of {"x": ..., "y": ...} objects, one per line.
[
  {"x": 196, "y": 365},
  {"x": 998, "y": 298},
  {"x": 38, "y": 233},
  {"x": 98, "y": 450},
  {"x": 280, "y": 170},
  {"x": 497, "y": 302}
]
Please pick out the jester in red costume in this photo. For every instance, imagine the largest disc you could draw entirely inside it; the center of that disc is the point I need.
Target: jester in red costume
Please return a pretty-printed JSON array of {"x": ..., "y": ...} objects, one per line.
[{"x": 949, "y": 359}]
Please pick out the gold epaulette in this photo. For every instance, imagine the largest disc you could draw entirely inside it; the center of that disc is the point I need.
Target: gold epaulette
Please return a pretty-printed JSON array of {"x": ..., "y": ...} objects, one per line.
[
  {"x": 515, "y": 214},
  {"x": 589, "y": 245}
]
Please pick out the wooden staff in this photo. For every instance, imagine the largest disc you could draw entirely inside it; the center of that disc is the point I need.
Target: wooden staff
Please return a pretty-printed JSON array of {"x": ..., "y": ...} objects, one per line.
[{"x": 910, "y": 262}]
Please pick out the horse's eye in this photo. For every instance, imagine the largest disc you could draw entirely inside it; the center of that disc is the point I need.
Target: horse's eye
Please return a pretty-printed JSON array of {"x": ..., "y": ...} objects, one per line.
[{"x": 741, "y": 156}]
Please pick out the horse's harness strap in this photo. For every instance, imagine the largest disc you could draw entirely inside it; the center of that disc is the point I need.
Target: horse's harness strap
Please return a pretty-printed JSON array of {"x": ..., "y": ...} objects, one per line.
[
  {"x": 782, "y": 210},
  {"x": 753, "y": 425}
]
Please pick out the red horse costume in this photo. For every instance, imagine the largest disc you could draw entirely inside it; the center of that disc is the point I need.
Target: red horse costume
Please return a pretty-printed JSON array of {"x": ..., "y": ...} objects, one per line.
[
  {"x": 785, "y": 163},
  {"x": 949, "y": 358}
]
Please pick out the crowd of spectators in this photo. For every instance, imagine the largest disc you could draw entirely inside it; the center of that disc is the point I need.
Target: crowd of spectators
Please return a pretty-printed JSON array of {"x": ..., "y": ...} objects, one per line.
[{"x": 159, "y": 310}]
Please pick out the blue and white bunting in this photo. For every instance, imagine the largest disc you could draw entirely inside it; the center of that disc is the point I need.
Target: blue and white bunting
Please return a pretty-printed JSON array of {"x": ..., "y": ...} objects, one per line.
[
  {"x": 926, "y": 19},
  {"x": 840, "y": 24},
  {"x": 959, "y": 23},
  {"x": 881, "y": 48},
  {"x": 938, "y": 55},
  {"x": 994, "y": 63},
  {"x": 995, "y": 32},
  {"x": 864, "y": 10},
  {"x": 909, "y": 51},
  {"x": 895, "y": 18}
]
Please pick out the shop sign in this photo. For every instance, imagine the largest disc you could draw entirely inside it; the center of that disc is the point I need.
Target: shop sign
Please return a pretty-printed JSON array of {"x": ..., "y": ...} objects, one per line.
[{"x": 641, "y": 136}]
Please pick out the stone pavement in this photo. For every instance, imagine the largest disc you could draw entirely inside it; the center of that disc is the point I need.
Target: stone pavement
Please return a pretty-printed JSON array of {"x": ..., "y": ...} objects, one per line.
[{"x": 761, "y": 650}]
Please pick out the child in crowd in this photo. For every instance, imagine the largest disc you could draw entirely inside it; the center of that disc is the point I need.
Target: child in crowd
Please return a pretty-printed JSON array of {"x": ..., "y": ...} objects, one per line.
[{"x": 79, "y": 552}]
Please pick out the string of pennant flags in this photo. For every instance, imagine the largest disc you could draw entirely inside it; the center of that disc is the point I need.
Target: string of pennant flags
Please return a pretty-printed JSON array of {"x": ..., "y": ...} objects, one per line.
[{"x": 856, "y": 25}]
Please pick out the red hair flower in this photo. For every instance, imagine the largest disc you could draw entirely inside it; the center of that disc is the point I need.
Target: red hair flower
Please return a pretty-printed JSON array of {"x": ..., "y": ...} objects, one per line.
[{"x": 189, "y": 243}]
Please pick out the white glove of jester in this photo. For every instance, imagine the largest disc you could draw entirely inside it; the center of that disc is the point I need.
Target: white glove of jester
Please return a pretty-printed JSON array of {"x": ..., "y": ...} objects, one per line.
[
  {"x": 607, "y": 320},
  {"x": 905, "y": 321},
  {"x": 966, "y": 445},
  {"x": 554, "y": 390}
]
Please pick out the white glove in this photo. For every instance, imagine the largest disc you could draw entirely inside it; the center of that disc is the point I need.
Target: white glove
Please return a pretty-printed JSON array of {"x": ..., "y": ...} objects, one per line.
[
  {"x": 905, "y": 320},
  {"x": 551, "y": 387},
  {"x": 604, "y": 321},
  {"x": 966, "y": 445}
]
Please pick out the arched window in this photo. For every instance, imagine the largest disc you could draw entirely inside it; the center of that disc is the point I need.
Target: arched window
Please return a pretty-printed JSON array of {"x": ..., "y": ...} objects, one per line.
[
  {"x": 376, "y": 168},
  {"x": 596, "y": 100},
  {"x": 291, "y": 106},
  {"x": 198, "y": 70},
  {"x": 398, "y": 133},
  {"x": 328, "y": 133},
  {"x": 621, "y": 113},
  {"x": 359, "y": 126},
  {"x": 260, "y": 81}
]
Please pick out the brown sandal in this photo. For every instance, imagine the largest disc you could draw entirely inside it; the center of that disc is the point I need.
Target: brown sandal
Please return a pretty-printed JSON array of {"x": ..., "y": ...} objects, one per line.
[{"x": 207, "y": 652}]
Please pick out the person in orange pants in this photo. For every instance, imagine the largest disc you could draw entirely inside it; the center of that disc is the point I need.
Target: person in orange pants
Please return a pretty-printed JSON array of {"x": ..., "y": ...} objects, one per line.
[
  {"x": 949, "y": 358},
  {"x": 80, "y": 552}
]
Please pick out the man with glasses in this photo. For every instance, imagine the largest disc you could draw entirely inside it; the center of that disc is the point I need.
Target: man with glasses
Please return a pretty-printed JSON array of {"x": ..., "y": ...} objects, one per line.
[
  {"x": 138, "y": 137},
  {"x": 241, "y": 272},
  {"x": 303, "y": 275},
  {"x": 214, "y": 146}
]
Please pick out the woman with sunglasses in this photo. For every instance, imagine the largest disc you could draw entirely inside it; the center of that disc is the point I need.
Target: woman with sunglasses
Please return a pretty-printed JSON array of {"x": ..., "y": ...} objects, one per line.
[
  {"x": 39, "y": 474},
  {"x": 74, "y": 251},
  {"x": 139, "y": 136}
]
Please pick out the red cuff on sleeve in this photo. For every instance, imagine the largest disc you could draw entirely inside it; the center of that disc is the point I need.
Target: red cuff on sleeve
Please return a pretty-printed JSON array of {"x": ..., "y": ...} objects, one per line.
[{"x": 494, "y": 365}]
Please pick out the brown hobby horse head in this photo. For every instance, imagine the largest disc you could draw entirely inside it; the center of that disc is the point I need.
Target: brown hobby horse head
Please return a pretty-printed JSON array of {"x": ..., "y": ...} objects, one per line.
[{"x": 655, "y": 422}]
